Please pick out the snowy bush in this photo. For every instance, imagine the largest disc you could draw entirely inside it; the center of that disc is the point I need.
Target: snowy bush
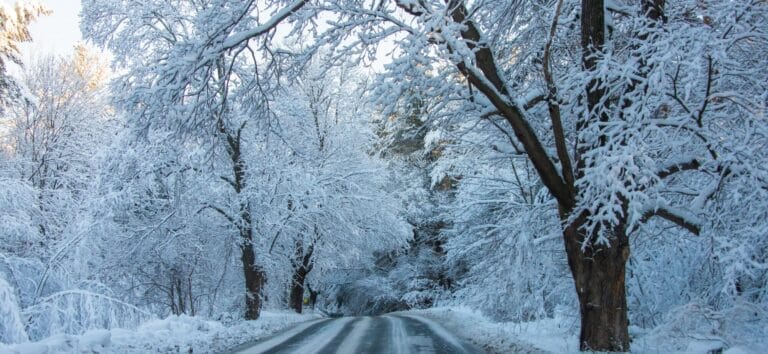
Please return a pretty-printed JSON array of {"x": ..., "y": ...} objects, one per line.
[{"x": 11, "y": 325}]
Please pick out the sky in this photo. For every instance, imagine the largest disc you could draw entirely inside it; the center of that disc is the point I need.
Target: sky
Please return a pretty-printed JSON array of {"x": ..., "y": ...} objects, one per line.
[{"x": 56, "y": 33}]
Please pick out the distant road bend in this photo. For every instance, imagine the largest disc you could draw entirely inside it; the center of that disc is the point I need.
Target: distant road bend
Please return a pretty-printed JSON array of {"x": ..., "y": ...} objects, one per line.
[{"x": 396, "y": 334}]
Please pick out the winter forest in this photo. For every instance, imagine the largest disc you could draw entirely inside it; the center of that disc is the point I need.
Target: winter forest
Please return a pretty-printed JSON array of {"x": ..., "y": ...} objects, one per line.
[{"x": 591, "y": 172}]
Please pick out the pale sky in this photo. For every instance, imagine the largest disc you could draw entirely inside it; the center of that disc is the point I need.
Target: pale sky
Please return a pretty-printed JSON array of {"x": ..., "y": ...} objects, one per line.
[{"x": 56, "y": 33}]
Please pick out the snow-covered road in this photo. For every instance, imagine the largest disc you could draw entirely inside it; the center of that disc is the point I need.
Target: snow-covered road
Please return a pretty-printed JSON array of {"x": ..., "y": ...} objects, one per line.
[{"x": 396, "y": 334}]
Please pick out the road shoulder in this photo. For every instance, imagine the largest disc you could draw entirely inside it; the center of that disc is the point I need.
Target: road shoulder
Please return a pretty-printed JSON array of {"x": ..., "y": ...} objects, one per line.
[{"x": 475, "y": 329}]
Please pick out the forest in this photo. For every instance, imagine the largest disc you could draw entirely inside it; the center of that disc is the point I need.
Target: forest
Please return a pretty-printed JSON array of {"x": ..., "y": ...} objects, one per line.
[{"x": 597, "y": 164}]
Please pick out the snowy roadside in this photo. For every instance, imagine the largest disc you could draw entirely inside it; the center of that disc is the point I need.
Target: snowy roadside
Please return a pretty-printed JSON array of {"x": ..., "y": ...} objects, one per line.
[
  {"x": 494, "y": 337},
  {"x": 560, "y": 335},
  {"x": 175, "y": 334}
]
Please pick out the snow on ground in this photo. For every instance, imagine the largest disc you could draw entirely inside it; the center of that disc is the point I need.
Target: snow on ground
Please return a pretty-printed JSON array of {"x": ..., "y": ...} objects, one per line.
[
  {"x": 534, "y": 337},
  {"x": 560, "y": 335},
  {"x": 175, "y": 334}
]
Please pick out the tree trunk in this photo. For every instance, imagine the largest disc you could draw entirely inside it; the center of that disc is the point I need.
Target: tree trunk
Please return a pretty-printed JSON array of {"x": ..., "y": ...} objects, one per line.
[
  {"x": 313, "y": 297},
  {"x": 254, "y": 282},
  {"x": 254, "y": 274},
  {"x": 598, "y": 270},
  {"x": 599, "y": 275},
  {"x": 296, "y": 298},
  {"x": 302, "y": 265}
]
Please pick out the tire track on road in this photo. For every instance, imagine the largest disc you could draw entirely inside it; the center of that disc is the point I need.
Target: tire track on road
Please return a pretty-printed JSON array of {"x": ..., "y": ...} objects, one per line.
[
  {"x": 280, "y": 338},
  {"x": 390, "y": 334}
]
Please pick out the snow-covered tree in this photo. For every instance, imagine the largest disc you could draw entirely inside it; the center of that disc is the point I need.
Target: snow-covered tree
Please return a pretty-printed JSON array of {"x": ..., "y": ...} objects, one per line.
[
  {"x": 633, "y": 115},
  {"x": 14, "y": 31},
  {"x": 283, "y": 167},
  {"x": 52, "y": 146},
  {"x": 215, "y": 104},
  {"x": 599, "y": 135},
  {"x": 336, "y": 206}
]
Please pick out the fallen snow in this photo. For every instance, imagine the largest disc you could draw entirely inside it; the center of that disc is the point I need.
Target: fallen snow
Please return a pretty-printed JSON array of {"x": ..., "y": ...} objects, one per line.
[
  {"x": 493, "y": 337},
  {"x": 264, "y": 345},
  {"x": 175, "y": 334},
  {"x": 184, "y": 334},
  {"x": 560, "y": 335}
]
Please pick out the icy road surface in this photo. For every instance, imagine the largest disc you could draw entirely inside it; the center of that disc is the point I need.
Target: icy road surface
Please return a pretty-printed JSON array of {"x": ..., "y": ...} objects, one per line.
[{"x": 396, "y": 334}]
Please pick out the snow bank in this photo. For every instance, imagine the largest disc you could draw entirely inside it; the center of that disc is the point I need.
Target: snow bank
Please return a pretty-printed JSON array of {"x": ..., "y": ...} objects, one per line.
[
  {"x": 11, "y": 325},
  {"x": 545, "y": 336},
  {"x": 175, "y": 334},
  {"x": 560, "y": 335}
]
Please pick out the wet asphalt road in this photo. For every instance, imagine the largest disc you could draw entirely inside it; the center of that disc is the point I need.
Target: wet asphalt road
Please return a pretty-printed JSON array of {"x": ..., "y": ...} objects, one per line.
[{"x": 395, "y": 334}]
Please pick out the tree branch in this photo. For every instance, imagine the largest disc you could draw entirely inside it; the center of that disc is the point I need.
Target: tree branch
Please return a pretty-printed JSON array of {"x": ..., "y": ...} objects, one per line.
[
  {"x": 707, "y": 93},
  {"x": 675, "y": 218},
  {"x": 238, "y": 38},
  {"x": 489, "y": 82},
  {"x": 554, "y": 108},
  {"x": 534, "y": 101},
  {"x": 509, "y": 136},
  {"x": 229, "y": 181},
  {"x": 678, "y": 167},
  {"x": 219, "y": 210}
]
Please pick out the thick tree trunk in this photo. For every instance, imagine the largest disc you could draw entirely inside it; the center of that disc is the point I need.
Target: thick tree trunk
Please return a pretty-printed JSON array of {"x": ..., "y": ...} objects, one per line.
[
  {"x": 598, "y": 270},
  {"x": 254, "y": 274},
  {"x": 254, "y": 282},
  {"x": 599, "y": 275},
  {"x": 296, "y": 299}
]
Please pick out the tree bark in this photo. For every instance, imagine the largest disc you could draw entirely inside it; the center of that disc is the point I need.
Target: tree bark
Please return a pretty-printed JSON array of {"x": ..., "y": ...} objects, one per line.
[
  {"x": 302, "y": 265},
  {"x": 599, "y": 276},
  {"x": 254, "y": 274},
  {"x": 296, "y": 299},
  {"x": 255, "y": 277},
  {"x": 598, "y": 270}
]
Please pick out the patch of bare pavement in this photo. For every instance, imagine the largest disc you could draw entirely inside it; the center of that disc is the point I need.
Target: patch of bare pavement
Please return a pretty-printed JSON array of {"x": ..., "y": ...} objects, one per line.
[{"x": 395, "y": 334}]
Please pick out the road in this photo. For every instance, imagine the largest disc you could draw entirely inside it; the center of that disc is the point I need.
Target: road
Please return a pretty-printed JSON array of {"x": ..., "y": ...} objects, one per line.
[{"x": 395, "y": 334}]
